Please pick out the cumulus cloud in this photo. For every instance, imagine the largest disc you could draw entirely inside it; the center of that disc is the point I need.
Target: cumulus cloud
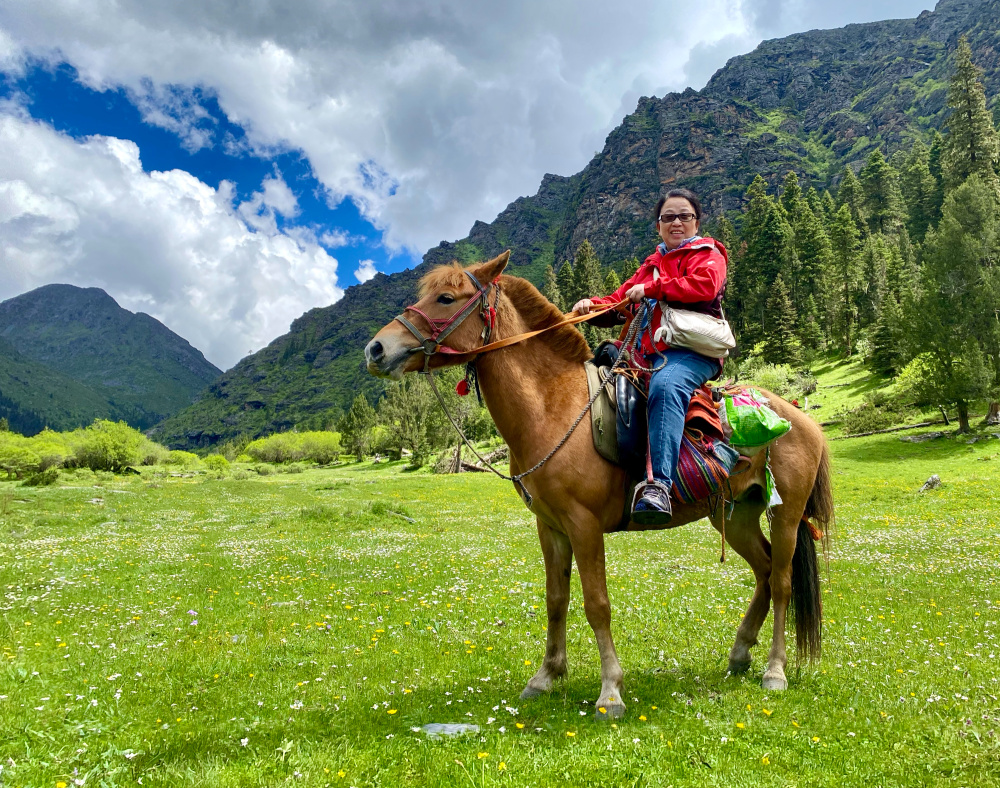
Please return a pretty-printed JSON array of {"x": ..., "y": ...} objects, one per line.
[
  {"x": 366, "y": 270},
  {"x": 776, "y": 18},
  {"x": 429, "y": 116},
  {"x": 84, "y": 212}
]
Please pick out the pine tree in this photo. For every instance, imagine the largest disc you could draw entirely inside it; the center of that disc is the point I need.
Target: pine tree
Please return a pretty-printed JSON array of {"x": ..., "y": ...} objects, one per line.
[
  {"x": 919, "y": 190},
  {"x": 812, "y": 245},
  {"x": 611, "y": 282},
  {"x": 725, "y": 233},
  {"x": 588, "y": 283},
  {"x": 550, "y": 289},
  {"x": 783, "y": 345},
  {"x": 567, "y": 287},
  {"x": 844, "y": 242},
  {"x": 829, "y": 207},
  {"x": 767, "y": 250},
  {"x": 934, "y": 157},
  {"x": 791, "y": 195},
  {"x": 4, "y": 425},
  {"x": 810, "y": 330},
  {"x": 815, "y": 203},
  {"x": 872, "y": 284},
  {"x": 954, "y": 321},
  {"x": 852, "y": 195},
  {"x": 587, "y": 279},
  {"x": 883, "y": 202},
  {"x": 887, "y": 338},
  {"x": 356, "y": 427},
  {"x": 972, "y": 145},
  {"x": 628, "y": 268}
]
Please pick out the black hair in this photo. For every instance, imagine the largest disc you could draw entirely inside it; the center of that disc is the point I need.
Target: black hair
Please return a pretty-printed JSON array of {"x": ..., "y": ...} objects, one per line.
[{"x": 686, "y": 194}]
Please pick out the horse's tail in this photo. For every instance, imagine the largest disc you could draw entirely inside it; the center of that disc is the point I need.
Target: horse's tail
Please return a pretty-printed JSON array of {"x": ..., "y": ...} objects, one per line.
[
  {"x": 819, "y": 508},
  {"x": 807, "y": 602}
]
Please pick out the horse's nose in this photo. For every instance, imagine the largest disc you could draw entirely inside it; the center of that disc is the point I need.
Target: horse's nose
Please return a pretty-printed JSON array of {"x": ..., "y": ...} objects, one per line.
[{"x": 374, "y": 352}]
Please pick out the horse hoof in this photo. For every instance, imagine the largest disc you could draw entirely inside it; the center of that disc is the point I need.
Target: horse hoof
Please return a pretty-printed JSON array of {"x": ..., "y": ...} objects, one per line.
[
  {"x": 530, "y": 692},
  {"x": 739, "y": 668},
  {"x": 609, "y": 711},
  {"x": 772, "y": 682}
]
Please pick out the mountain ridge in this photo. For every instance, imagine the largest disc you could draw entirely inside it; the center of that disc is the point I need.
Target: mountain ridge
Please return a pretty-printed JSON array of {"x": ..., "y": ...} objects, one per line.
[{"x": 811, "y": 103}]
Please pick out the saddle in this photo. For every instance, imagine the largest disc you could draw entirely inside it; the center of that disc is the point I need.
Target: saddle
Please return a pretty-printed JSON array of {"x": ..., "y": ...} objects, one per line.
[{"x": 618, "y": 418}]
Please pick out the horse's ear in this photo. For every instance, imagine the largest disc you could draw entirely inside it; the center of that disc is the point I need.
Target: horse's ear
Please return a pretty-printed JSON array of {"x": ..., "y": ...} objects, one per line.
[{"x": 490, "y": 270}]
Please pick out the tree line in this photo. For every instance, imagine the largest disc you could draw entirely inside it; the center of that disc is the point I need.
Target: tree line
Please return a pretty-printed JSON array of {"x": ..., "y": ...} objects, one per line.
[{"x": 897, "y": 261}]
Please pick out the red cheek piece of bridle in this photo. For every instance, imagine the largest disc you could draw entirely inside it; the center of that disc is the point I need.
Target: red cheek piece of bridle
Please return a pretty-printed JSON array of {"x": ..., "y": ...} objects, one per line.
[{"x": 442, "y": 327}]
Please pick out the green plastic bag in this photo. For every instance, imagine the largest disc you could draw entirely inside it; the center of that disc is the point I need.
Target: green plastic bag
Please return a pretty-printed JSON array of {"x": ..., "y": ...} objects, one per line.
[{"x": 749, "y": 424}]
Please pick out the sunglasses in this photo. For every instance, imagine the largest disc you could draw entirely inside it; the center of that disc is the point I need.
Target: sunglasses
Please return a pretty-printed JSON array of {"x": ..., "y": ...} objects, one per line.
[{"x": 668, "y": 218}]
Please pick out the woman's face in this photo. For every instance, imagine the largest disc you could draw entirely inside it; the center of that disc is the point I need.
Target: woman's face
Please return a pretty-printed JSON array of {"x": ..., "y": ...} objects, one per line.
[{"x": 677, "y": 230}]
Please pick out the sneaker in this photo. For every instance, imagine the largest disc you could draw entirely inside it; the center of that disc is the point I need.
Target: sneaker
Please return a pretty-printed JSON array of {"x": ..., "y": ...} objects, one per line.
[{"x": 653, "y": 505}]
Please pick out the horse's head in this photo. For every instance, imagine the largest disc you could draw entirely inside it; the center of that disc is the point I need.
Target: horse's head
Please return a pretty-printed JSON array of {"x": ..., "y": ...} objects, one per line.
[{"x": 449, "y": 319}]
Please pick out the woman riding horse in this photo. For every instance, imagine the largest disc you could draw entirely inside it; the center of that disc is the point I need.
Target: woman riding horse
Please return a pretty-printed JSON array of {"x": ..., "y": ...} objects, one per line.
[{"x": 687, "y": 272}]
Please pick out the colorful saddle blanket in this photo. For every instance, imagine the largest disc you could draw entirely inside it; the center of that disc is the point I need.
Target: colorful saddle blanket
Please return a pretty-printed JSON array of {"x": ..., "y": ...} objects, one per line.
[{"x": 618, "y": 420}]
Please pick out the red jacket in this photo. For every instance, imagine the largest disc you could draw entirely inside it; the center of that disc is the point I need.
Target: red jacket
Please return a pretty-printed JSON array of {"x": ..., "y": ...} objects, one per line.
[{"x": 691, "y": 277}]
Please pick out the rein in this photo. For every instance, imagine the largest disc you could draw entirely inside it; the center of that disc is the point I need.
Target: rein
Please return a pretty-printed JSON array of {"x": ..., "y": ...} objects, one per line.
[{"x": 429, "y": 346}]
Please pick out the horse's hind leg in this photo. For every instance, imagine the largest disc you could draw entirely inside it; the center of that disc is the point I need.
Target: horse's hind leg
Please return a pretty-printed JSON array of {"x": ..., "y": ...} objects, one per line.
[
  {"x": 784, "y": 531},
  {"x": 745, "y": 537},
  {"x": 558, "y": 565}
]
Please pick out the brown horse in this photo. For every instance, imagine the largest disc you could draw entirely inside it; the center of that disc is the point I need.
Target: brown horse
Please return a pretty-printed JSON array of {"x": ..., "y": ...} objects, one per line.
[{"x": 534, "y": 389}]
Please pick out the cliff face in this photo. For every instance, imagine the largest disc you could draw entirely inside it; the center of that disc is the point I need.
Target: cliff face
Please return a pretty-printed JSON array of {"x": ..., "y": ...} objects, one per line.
[{"x": 812, "y": 102}]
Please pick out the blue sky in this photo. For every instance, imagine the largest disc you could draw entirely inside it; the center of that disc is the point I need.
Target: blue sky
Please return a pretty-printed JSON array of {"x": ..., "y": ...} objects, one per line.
[
  {"x": 225, "y": 172},
  {"x": 54, "y": 94}
]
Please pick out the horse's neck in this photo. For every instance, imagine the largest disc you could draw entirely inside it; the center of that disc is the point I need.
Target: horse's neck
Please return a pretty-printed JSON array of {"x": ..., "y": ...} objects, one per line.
[{"x": 530, "y": 391}]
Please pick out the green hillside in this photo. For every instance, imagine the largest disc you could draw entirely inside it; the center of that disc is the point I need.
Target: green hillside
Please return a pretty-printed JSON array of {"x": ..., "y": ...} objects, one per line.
[
  {"x": 34, "y": 396},
  {"x": 136, "y": 365}
]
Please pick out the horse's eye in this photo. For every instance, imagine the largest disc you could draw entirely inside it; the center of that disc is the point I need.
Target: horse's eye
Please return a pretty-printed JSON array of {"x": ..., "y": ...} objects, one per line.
[{"x": 446, "y": 298}]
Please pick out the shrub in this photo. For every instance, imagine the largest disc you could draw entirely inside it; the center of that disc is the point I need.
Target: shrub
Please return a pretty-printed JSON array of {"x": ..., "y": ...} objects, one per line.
[
  {"x": 16, "y": 459},
  {"x": 277, "y": 448},
  {"x": 867, "y": 418},
  {"x": 321, "y": 447},
  {"x": 153, "y": 453},
  {"x": 264, "y": 470},
  {"x": 42, "y": 478},
  {"x": 216, "y": 462},
  {"x": 184, "y": 459},
  {"x": 53, "y": 449},
  {"x": 109, "y": 446}
]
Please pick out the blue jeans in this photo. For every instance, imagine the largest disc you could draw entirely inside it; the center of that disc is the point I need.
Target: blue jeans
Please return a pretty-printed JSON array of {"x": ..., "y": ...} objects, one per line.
[{"x": 670, "y": 391}]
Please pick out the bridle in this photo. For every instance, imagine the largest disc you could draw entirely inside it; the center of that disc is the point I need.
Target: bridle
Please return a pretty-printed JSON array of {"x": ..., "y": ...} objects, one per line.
[{"x": 442, "y": 327}]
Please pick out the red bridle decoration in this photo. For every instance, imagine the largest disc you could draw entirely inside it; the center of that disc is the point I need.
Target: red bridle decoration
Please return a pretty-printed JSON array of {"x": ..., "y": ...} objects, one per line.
[{"x": 442, "y": 327}]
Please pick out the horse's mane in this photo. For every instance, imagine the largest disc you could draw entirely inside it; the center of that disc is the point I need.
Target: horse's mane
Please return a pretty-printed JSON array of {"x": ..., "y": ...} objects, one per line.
[{"x": 534, "y": 309}]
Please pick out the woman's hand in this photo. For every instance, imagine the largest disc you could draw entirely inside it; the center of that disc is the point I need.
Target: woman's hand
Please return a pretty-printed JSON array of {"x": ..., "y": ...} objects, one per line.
[
  {"x": 582, "y": 307},
  {"x": 636, "y": 293}
]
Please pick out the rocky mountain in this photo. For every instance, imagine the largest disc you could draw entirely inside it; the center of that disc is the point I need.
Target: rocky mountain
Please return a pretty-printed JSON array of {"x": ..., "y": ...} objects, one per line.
[
  {"x": 132, "y": 365},
  {"x": 812, "y": 103}
]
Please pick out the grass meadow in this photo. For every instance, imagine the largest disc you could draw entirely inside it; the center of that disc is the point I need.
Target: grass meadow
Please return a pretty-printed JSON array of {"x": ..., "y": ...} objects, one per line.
[{"x": 166, "y": 630}]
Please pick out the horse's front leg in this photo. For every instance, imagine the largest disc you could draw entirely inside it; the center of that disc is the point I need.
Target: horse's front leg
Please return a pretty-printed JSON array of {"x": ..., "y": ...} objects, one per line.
[
  {"x": 558, "y": 556},
  {"x": 588, "y": 545}
]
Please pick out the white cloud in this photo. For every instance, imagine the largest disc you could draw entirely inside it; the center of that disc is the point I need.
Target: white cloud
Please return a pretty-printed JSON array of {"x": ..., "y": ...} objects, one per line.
[
  {"x": 429, "y": 115},
  {"x": 222, "y": 276},
  {"x": 366, "y": 270},
  {"x": 334, "y": 239}
]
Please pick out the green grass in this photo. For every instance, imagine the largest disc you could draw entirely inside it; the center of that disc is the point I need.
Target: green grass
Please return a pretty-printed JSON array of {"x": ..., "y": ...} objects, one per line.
[{"x": 293, "y": 628}]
